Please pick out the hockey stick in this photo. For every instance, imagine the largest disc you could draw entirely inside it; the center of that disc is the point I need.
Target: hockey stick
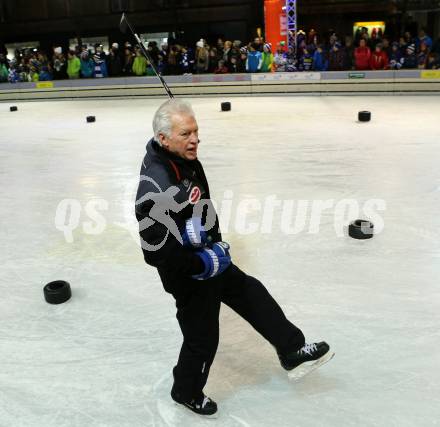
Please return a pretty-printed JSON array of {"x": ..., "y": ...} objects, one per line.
[{"x": 123, "y": 25}]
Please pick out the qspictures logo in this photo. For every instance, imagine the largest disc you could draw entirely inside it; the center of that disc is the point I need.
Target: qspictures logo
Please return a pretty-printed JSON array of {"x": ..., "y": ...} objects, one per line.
[{"x": 236, "y": 214}]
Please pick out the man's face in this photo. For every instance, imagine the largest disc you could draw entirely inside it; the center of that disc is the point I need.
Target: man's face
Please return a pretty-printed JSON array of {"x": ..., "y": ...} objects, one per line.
[{"x": 184, "y": 137}]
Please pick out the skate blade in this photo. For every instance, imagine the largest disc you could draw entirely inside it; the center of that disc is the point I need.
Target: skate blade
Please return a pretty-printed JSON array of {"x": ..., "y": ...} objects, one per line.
[
  {"x": 195, "y": 414},
  {"x": 308, "y": 367}
]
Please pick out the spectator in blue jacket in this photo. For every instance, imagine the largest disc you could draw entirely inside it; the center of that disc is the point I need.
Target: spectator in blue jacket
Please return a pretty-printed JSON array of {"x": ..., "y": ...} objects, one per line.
[
  {"x": 87, "y": 65},
  {"x": 320, "y": 59},
  {"x": 396, "y": 57},
  {"x": 186, "y": 62},
  {"x": 13, "y": 76},
  {"x": 336, "y": 57},
  {"x": 45, "y": 75},
  {"x": 254, "y": 60},
  {"x": 100, "y": 67},
  {"x": 305, "y": 62},
  {"x": 423, "y": 38},
  {"x": 410, "y": 59}
]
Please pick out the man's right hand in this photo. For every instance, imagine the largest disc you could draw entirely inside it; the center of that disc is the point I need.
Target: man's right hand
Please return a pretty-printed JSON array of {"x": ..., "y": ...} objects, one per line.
[
  {"x": 215, "y": 259},
  {"x": 194, "y": 235}
]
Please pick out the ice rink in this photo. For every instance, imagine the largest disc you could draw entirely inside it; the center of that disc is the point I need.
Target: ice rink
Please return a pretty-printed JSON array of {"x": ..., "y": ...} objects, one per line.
[{"x": 104, "y": 358}]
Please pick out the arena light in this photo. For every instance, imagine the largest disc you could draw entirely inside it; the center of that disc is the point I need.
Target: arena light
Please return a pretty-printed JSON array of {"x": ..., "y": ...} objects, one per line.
[{"x": 370, "y": 24}]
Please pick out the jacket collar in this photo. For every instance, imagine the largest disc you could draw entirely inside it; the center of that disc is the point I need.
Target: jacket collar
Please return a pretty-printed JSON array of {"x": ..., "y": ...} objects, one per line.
[{"x": 154, "y": 149}]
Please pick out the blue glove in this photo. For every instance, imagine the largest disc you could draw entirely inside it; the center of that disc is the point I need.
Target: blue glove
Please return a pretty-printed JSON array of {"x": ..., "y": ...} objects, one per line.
[
  {"x": 216, "y": 260},
  {"x": 194, "y": 235}
]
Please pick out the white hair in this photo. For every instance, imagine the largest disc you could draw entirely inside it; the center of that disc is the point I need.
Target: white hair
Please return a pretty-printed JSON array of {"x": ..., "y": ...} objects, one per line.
[{"x": 162, "y": 118}]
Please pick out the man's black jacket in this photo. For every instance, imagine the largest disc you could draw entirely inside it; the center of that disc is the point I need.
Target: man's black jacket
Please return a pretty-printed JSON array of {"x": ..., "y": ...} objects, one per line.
[{"x": 172, "y": 188}]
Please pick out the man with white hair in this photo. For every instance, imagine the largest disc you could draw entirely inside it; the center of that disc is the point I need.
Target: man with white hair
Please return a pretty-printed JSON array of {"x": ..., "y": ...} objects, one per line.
[{"x": 180, "y": 236}]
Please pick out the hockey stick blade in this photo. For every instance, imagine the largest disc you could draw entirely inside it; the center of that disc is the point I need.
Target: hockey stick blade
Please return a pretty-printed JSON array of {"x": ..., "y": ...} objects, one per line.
[{"x": 123, "y": 24}]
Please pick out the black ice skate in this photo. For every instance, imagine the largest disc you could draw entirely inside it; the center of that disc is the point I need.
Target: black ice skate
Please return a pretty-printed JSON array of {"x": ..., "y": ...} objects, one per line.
[
  {"x": 202, "y": 406},
  {"x": 306, "y": 359}
]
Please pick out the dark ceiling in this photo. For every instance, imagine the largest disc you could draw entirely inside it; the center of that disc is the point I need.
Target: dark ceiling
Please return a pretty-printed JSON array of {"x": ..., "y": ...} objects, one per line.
[{"x": 24, "y": 19}]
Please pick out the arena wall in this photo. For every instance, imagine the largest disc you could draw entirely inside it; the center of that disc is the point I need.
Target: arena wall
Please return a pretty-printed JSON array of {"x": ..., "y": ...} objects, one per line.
[{"x": 326, "y": 83}]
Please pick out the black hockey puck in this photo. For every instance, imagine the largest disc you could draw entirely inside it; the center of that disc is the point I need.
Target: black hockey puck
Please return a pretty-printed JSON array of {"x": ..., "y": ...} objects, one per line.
[
  {"x": 91, "y": 119},
  {"x": 364, "y": 116},
  {"x": 57, "y": 292},
  {"x": 226, "y": 106},
  {"x": 361, "y": 229},
  {"x": 13, "y": 108}
]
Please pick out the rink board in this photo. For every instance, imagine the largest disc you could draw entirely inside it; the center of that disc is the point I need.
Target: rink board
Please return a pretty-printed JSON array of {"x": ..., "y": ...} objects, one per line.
[{"x": 326, "y": 83}]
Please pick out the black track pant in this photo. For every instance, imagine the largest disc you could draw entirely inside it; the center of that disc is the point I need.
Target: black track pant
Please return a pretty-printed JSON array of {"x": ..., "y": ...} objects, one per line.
[{"x": 198, "y": 308}]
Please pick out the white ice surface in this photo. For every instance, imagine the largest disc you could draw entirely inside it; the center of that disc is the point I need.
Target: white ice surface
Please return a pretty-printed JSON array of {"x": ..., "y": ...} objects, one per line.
[{"x": 105, "y": 357}]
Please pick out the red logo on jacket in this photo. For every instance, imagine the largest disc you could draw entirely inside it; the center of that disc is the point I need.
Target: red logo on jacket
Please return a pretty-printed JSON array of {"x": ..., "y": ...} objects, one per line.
[{"x": 194, "y": 196}]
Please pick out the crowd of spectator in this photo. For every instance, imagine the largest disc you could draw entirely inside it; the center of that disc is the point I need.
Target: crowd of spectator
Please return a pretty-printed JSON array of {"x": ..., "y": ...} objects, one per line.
[{"x": 364, "y": 51}]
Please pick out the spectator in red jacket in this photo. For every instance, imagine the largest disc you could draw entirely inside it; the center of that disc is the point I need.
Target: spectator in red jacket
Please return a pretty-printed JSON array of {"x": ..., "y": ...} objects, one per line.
[
  {"x": 362, "y": 55},
  {"x": 379, "y": 58},
  {"x": 221, "y": 68}
]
